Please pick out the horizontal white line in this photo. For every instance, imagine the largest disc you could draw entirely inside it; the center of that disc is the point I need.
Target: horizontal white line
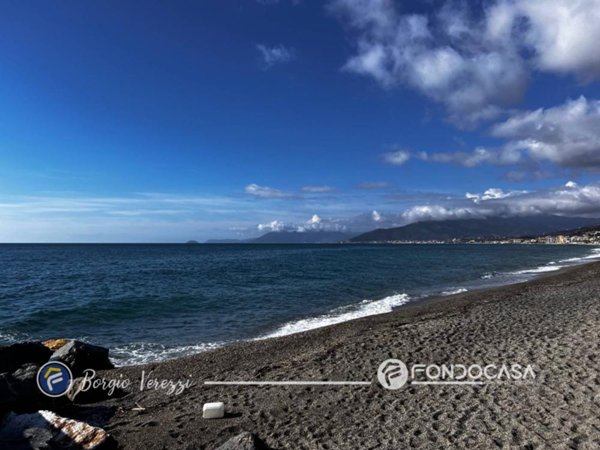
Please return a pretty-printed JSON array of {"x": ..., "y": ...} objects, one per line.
[
  {"x": 447, "y": 382},
  {"x": 287, "y": 383}
]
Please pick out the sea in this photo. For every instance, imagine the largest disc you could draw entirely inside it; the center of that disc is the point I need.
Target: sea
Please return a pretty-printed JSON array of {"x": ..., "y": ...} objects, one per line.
[{"x": 154, "y": 302}]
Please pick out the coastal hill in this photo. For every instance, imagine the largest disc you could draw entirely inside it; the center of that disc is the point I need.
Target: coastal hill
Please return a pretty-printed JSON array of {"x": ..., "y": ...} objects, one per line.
[{"x": 489, "y": 228}]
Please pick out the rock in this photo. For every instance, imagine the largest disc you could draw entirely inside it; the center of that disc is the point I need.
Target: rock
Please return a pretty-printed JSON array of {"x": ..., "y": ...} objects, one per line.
[
  {"x": 54, "y": 344},
  {"x": 46, "y": 430},
  {"x": 23, "y": 384},
  {"x": 14, "y": 356},
  {"x": 92, "y": 393},
  {"x": 37, "y": 438},
  {"x": 7, "y": 396},
  {"x": 19, "y": 391},
  {"x": 244, "y": 441},
  {"x": 80, "y": 356}
]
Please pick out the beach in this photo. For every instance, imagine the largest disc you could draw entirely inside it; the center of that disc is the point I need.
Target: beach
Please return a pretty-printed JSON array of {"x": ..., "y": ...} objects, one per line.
[{"x": 551, "y": 323}]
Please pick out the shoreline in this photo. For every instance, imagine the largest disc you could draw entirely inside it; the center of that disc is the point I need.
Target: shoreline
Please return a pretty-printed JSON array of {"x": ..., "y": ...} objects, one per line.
[
  {"x": 530, "y": 323},
  {"x": 407, "y": 301}
]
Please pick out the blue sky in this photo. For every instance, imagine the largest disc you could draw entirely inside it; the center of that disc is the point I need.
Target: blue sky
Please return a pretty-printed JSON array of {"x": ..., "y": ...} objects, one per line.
[{"x": 195, "y": 120}]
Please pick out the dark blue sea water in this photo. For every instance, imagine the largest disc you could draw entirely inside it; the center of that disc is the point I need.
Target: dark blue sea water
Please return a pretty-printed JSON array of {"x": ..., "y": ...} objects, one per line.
[{"x": 149, "y": 302}]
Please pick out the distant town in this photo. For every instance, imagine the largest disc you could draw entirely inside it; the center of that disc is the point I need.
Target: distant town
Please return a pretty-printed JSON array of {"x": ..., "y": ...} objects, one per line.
[{"x": 584, "y": 236}]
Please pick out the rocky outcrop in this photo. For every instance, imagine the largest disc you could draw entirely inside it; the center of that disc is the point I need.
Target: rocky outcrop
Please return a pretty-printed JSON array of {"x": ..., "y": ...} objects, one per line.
[
  {"x": 80, "y": 356},
  {"x": 14, "y": 356},
  {"x": 46, "y": 430},
  {"x": 19, "y": 364},
  {"x": 19, "y": 391},
  {"x": 244, "y": 441},
  {"x": 25, "y": 422}
]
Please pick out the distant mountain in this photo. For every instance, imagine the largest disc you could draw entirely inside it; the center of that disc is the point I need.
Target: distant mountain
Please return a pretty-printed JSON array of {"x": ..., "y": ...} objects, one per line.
[
  {"x": 224, "y": 241},
  {"x": 493, "y": 227},
  {"x": 306, "y": 237},
  {"x": 582, "y": 231}
]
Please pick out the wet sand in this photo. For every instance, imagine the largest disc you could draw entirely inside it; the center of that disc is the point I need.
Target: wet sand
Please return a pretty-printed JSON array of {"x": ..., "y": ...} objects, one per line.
[{"x": 552, "y": 323}]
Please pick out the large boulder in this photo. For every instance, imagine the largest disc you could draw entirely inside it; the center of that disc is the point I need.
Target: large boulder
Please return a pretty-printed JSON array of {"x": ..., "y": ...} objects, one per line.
[
  {"x": 80, "y": 356},
  {"x": 14, "y": 356},
  {"x": 46, "y": 430},
  {"x": 19, "y": 391},
  {"x": 244, "y": 441}
]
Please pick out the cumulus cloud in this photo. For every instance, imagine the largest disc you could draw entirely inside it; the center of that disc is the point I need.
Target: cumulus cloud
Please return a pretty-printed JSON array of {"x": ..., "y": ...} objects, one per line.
[
  {"x": 318, "y": 223},
  {"x": 274, "y": 225},
  {"x": 397, "y": 158},
  {"x": 317, "y": 189},
  {"x": 265, "y": 191},
  {"x": 474, "y": 63},
  {"x": 571, "y": 185},
  {"x": 315, "y": 223},
  {"x": 569, "y": 200},
  {"x": 492, "y": 194},
  {"x": 438, "y": 212},
  {"x": 563, "y": 33},
  {"x": 567, "y": 136},
  {"x": 276, "y": 54}
]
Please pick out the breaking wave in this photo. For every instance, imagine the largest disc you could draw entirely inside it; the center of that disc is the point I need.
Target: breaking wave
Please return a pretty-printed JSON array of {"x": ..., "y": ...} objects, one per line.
[{"x": 343, "y": 314}]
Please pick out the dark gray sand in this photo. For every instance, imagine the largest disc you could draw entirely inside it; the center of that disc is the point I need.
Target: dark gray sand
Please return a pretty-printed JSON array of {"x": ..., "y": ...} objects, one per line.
[{"x": 552, "y": 323}]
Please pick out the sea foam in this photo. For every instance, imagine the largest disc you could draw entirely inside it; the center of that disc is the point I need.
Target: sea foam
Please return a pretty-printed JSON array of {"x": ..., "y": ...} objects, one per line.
[
  {"x": 540, "y": 269},
  {"x": 339, "y": 315},
  {"x": 142, "y": 353},
  {"x": 455, "y": 291}
]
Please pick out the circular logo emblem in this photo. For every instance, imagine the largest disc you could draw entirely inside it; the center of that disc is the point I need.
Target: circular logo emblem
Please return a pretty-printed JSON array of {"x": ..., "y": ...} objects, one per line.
[
  {"x": 392, "y": 374},
  {"x": 54, "y": 378}
]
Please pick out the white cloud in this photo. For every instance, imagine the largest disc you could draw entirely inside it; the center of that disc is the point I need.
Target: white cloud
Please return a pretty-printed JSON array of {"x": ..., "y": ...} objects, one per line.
[
  {"x": 275, "y": 225},
  {"x": 448, "y": 56},
  {"x": 475, "y": 63},
  {"x": 318, "y": 223},
  {"x": 315, "y": 223},
  {"x": 317, "y": 189},
  {"x": 276, "y": 54},
  {"x": 437, "y": 212},
  {"x": 564, "y": 34},
  {"x": 397, "y": 158},
  {"x": 572, "y": 200},
  {"x": 314, "y": 220},
  {"x": 566, "y": 136},
  {"x": 265, "y": 191},
  {"x": 492, "y": 194}
]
